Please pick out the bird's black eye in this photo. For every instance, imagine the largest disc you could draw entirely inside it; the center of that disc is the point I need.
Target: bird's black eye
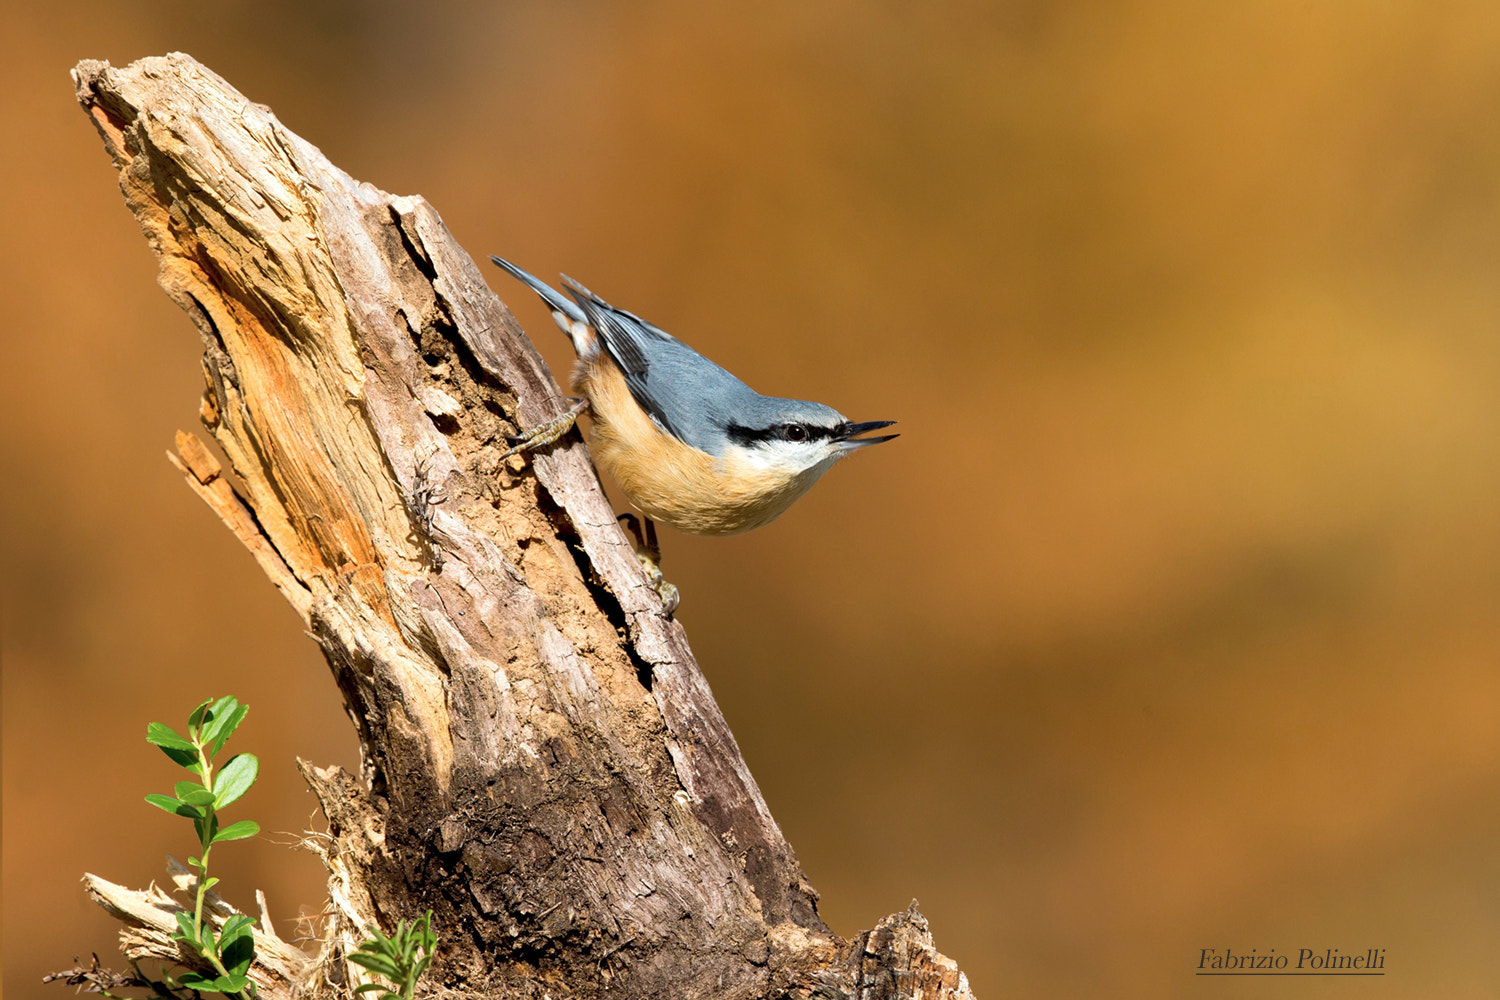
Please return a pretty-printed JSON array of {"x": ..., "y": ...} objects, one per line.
[{"x": 794, "y": 432}]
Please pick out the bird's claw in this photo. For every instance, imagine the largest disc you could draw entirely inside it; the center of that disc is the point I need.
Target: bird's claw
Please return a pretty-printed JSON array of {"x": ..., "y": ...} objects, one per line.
[
  {"x": 670, "y": 598},
  {"x": 545, "y": 433},
  {"x": 648, "y": 554}
]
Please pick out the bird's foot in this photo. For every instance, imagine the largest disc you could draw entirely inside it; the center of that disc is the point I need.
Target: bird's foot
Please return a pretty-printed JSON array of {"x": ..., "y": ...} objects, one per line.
[
  {"x": 544, "y": 434},
  {"x": 648, "y": 554}
]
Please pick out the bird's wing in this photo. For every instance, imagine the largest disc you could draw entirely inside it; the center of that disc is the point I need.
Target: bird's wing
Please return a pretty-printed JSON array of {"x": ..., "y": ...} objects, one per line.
[
  {"x": 631, "y": 341},
  {"x": 625, "y": 334},
  {"x": 687, "y": 395}
]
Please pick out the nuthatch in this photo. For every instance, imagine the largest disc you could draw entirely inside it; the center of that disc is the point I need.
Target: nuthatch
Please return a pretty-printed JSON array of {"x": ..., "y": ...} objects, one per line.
[{"x": 691, "y": 445}]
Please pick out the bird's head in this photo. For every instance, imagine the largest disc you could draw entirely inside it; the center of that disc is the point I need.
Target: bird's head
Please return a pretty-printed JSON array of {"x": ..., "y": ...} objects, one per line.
[{"x": 796, "y": 437}]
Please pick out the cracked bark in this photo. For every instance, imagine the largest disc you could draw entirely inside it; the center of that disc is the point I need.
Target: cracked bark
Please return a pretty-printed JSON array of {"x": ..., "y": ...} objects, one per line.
[{"x": 543, "y": 764}]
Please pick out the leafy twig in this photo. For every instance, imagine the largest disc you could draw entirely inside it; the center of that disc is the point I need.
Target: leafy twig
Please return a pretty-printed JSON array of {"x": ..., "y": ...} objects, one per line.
[
  {"x": 395, "y": 957},
  {"x": 232, "y": 950}
]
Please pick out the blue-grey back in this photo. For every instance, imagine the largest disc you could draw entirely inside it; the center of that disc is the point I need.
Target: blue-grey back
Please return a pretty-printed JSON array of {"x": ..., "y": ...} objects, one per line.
[{"x": 686, "y": 393}]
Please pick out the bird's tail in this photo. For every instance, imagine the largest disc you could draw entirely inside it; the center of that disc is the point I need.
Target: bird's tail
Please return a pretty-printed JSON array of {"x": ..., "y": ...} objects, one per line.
[{"x": 565, "y": 313}]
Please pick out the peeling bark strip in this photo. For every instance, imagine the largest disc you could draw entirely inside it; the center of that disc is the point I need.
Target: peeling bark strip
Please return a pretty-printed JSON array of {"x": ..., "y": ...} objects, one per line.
[{"x": 543, "y": 763}]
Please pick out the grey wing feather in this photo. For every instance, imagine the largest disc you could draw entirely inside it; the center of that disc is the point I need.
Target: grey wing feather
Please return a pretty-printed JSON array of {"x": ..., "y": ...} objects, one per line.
[
  {"x": 624, "y": 333},
  {"x": 625, "y": 337},
  {"x": 688, "y": 395}
]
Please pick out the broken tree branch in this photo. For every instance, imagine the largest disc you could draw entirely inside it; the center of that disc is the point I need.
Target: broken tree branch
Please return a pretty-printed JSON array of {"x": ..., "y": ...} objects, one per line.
[{"x": 543, "y": 764}]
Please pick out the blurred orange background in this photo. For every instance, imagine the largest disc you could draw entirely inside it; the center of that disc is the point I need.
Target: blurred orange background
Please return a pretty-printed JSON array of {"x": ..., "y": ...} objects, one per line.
[{"x": 1170, "y": 621}]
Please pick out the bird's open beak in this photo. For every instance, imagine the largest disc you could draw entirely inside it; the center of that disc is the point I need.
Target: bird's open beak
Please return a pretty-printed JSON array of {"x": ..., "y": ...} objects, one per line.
[{"x": 849, "y": 437}]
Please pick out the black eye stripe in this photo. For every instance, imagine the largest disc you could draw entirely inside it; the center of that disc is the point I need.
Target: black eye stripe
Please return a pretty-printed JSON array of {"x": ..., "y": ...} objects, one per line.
[{"x": 746, "y": 436}]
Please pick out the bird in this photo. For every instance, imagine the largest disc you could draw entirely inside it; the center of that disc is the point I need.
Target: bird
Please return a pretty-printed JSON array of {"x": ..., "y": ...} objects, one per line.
[{"x": 691, "y": 446}]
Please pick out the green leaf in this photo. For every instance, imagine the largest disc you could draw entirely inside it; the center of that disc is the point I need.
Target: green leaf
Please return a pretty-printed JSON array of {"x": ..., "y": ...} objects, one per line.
[
  {"x": 224, "y": 718},
  {"x": 184, "y": 758},
  {"x": 234, "y": 923},
  {"x": 223, "y": 984},
  {"x": 195, "y": 721},
  {"x": 213, "y": 719},
  {"x": 210, "y": 882},
  {"x": 367, "y": 987},
  {"x": 238, "y": 831},
  {"x": 237, "y": 945},
  {"x": 181, "y": 751},
  {"x": 164, "y": 735},
  {"x": 185, "y": 930},
  {"x": 376, "y": 963},
  {"x": 231, "y": 726},
  {"x": 196, "y": 795},
  {"x": 238, "y": 955},
  {"x": 236, "y": 778},
  {"x": 168, "y": 803}
]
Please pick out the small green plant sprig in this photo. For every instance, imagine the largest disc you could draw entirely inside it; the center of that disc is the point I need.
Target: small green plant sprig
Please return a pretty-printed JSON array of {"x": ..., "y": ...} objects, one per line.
[
  {"x": 209, "y": 727},
  {"x": 395, "y": 957}
]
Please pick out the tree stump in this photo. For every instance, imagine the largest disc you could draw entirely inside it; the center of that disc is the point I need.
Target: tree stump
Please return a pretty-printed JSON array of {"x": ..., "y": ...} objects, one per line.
[{"x": 543, "y": 764}]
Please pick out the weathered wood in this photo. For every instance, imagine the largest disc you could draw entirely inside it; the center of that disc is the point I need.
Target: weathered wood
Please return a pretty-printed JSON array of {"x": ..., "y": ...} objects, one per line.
[
  {"x": 150, "y": 917},
  {"x": 543, "y": 763}
]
